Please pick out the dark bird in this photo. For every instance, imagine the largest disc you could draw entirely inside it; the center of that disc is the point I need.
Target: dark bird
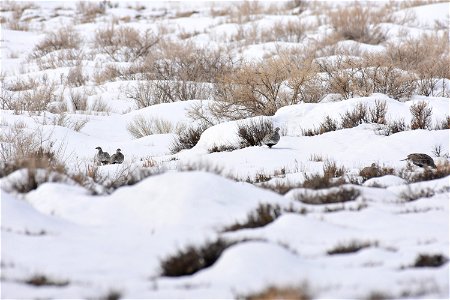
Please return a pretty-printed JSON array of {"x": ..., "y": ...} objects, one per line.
[
  {"x": 101, "y": 158},
  {"x": 421, "y": 159},
  {"x": 272, "y": 138},
  {"x": 117, "y": 158}
]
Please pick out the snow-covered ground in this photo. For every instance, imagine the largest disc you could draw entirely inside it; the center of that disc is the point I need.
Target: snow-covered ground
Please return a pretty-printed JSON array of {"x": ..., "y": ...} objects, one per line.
[{"x": 92, "y": 246}]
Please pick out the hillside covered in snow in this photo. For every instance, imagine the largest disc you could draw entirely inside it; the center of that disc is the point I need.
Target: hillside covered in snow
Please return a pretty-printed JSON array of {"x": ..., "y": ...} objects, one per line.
[{"x": 201, "y": 207}]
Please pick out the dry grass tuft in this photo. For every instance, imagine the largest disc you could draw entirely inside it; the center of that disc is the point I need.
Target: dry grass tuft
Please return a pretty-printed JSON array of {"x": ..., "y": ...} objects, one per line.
[
  {"x": 141, "y": 126},
  {"x": 359, "y": 22},
  {"x": 350, "y": 247},
  {"x": 252, "y": 133},
  {"x": 273, "y": 292},
  {"x": 428, "y": 260},
  {"x": 334, "y": 195},
  {"x": 193, "y": 259},
  {"x": 63, "y": 38},
  {"x": 125, "y": 43},
  {"x": 187, "y": 138},
  {"x": 263, "y": 215}
]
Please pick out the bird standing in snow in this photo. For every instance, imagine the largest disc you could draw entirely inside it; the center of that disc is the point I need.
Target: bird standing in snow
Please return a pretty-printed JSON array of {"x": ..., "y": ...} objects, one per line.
[
  {"x": 272, "y": 138},
  {"x": 421, "y": 159},
  {"x": 101, "y": 158},
  {"x": 117, "y": 158},
  {"x": 369, "y": 172}
]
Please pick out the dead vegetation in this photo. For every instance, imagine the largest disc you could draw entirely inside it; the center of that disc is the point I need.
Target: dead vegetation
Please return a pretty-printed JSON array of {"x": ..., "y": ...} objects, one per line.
[
  {"x": 141, "y": 126},
  {"x": 430, "y": 260},
  {"x": 61, "y": 39},
  {"x": 193, "y": 259},
  {"x": 350, "y": 247},
  {"x": 122, "y": 43},
  {"x": 43, "y": 280},
  {"x": 360, "y": 23},
  {"x": 300, "y": 292},
  {"x": 187, "y": 138},
  {"x": 253, "y": 132},
  {"x": 333, "y": 195},
  {"x": 263, "y": 215}
]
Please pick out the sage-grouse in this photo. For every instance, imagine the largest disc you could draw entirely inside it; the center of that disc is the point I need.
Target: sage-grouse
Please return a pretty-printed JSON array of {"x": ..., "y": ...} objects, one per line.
[
  {"x": 117, "y": 158},
  {"x": 421, "y": 160},
  {"x": 369, "y": 172},
  {"x": 272, "y": 138},
  {"x": 101, "y": 158}
]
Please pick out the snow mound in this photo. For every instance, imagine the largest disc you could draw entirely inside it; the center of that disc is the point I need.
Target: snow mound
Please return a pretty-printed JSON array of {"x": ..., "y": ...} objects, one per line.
[
  {"x": 384, "y": 181},
  {"x": 170, "y": 200}
]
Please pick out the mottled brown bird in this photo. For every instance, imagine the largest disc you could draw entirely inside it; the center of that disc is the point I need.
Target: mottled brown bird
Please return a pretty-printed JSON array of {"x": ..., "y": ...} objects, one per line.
[
  {"x": 369, "y": 172},
  {"x": 421, "y": 159}
]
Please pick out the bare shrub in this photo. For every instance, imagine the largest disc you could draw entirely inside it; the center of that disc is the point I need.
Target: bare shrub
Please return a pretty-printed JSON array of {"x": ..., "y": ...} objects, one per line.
[
  {"x": 355, "y": 117},
  {"x": 377, "y": 114},
  {"x": 350, "y": 247},
  {"x": 421, "y": 115},
  {"x": 184, "y": 61},
  {"x": 193, "y": 259},
  {"x": 17, "y": 8},
  {"x": 185, "y": 71},
  {"x": 327, "y": 125},
  {"x": 20, "y": 84},
  {"x": 221, "y": 148},
  {"x": 43, "y": 280},
  {"x": 359, "y": 23},
  {"x": 442, "y": 170},
  {"x": 330, "y": 169},
  {"x": 88, "y": 11},
  {"x": 99, "y": 105},
  {"x": 35, "y": 100},
  {"x": 333, "y": 195},
  {"x": 108, "y": 73},
  {"x": 252, "y": 133},
  {"x": 147, "y": 93},
  {"x": 61, "y": 59},
  {"x": 414, "y": 53},
  {"x": 141, "y": 126},
  {"x": 316, "y": 157},
  {"x": 64, "y": 120},
  {"x": 393, "y": 127},
  {"x": 263, "y": 215},
  {"x": 317, "y": 181},
  {"x": 22, "y": 148},
  {"x": 78, "y": 99},
  {"x": 426, "y": 57},
  {"x": 63, "y": 38},
  {"x": 253, "y": 90},
  {"x": 444, "y": 124},
  {"x": 187, "y": 138},
  {"x": 98, "y": 183},
  {"x": 76, "y": 77},
  {"x": 412, "y": 195},
  {"x": 372, "y": 73},
  {"x": 341, "y": 76},
  {"x": 430, "y": 260},
  {"x": 274, "y": 292},
  {"x": 290, "y": 31},
  {"x": 125, "y": 43}
]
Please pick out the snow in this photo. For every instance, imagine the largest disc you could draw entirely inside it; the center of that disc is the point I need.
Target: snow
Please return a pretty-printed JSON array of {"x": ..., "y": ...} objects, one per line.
[
  {"x": 428, "y": 15},
  {"x": 102, "y": 240}
]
